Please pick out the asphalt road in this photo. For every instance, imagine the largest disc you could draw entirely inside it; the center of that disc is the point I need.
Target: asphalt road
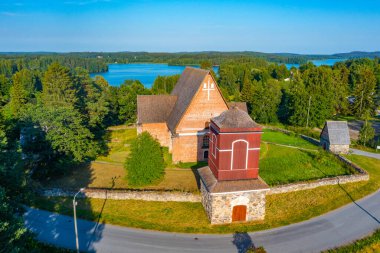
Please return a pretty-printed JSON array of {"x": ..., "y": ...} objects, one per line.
[
  {"x": 364, "y": 153},
  {"x": 332, "y": 229}
]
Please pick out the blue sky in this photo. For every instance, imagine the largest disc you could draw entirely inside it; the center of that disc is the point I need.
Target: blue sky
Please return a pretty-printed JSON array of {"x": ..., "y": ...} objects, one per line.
[{"x": 171, "y": 26}]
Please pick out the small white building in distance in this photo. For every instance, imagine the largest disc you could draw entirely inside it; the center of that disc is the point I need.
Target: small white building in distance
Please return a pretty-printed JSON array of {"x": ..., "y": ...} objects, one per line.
[{"x": 335, "y": 137}]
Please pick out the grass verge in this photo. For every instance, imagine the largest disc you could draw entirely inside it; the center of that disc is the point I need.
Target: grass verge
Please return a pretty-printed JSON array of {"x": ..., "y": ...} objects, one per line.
[
  {"x": 281, "y": 209},
  {"x": 365, "y": 245}
]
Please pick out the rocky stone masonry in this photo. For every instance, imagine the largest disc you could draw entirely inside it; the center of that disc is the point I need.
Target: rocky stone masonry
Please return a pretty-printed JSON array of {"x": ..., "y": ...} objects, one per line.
[
  {"x": 321, "y": 182},
  {"x": 191, "y": 197},
  {"x": 339, "y": 149},
  {"x": 219, "y": 206},
  {"x": 126, "y": 194}
]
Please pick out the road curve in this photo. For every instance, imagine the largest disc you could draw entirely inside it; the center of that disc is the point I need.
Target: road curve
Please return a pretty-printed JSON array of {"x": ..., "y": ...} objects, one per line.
[
  {"x": 338, "y": 227},
  {"x": 364, "y": 153}
]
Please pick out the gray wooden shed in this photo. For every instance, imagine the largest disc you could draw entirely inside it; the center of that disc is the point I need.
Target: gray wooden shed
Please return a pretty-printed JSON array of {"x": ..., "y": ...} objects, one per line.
[{"x": 335, "y": 137}]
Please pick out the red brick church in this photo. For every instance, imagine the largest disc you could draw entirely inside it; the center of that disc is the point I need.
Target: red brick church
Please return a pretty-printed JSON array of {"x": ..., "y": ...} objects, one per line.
[{"x": 181, "y": 120}]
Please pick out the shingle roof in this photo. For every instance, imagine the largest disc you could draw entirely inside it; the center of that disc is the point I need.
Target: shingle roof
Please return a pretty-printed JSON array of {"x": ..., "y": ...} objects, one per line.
[
  {"x": 234, "y": 118},
  {"x": 215, "y": 186},
  {"x": 154, "y": 108},
  {"x": 240, "y": 105},
  {"x": 337, "y": 132},
  {"x": 185, "y": 89}
]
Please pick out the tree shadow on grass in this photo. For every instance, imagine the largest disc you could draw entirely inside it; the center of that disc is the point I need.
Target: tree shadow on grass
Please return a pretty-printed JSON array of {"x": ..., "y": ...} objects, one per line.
[
  {"x": 362, "y": 208},
  {"x": 197, "y": 177}
]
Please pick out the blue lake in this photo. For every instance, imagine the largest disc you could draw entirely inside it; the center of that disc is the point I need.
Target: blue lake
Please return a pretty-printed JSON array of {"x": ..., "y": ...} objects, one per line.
[
  {"x": 328, "y": 62},
  {"x": 146, "y": 73}
]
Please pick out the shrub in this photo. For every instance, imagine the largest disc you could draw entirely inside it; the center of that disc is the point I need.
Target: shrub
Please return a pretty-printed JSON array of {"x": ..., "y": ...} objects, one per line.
[{"x": 145, "y": 164}]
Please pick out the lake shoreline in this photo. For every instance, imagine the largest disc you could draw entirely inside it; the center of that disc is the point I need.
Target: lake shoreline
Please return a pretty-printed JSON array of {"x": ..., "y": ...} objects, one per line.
[{"x": 147, "y": 72}]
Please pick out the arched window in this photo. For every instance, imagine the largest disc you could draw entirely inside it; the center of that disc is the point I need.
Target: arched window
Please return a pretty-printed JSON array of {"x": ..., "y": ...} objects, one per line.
[
  {"x": 205, "y": 155},
  {"x": 239, "y": 154},
  {"x": 206, "y": 141}
]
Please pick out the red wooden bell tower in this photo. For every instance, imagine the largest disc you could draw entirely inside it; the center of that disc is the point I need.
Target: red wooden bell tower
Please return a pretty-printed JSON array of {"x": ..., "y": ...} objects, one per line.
[{"x": 234, "y": 146}]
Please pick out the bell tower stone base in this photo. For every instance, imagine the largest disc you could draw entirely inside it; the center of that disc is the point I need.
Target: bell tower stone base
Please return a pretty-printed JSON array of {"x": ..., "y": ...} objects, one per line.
[{"x": 232, "y": 200}]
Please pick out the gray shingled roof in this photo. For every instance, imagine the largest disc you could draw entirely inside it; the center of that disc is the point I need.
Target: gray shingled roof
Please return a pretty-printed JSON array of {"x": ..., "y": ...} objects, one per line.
[
  {"x": 185, "y": 89},
  {"x": 234, "y": 118},
  {"x": 154, "y": 108},
  {"x": 215, "y": 186},
  {"x": 337, "y": 132},
  {"x": 240, "y": 105}
]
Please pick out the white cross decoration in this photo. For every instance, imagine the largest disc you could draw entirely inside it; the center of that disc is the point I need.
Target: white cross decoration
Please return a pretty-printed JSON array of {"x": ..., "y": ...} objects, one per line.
[{"x": 208, "y": 87}]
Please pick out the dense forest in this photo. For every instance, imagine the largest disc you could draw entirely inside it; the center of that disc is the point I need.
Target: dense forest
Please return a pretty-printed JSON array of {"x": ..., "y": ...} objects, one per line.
[
  {"x": 306, "y": 96},
  {"x": 54, "y": 116},
  {"x": 96, "y": 62}
]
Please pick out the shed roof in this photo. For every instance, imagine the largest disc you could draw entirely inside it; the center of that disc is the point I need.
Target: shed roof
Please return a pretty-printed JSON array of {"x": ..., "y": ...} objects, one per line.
[
  {"x": 185, "y": 89},
  {"x": 215, "y": 186},
  {"x": 154, "y": 108},
  {"x": 234, "y": 118},
  {"x": 337, "y": 132}
]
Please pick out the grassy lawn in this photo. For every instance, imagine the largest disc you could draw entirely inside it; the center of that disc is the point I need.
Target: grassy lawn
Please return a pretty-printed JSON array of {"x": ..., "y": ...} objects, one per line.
[
  {"x": 282, "y": 209},
  {"x": 119, "y": 145},
  {"x": 365, "y": 245},
  {"x": 284, "y": 165},
  {"x": 278, "y": 165},
  {"x": 104, "y": 175},
  {"x": 285, "y": 139}
]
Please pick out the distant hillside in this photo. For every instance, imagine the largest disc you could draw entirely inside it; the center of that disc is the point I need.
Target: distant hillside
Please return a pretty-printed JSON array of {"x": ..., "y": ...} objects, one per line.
[{"x": 358, "y": 54}]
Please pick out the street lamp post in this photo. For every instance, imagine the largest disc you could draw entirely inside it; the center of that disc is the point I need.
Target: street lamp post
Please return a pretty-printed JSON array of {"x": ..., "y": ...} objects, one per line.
[{"x": 75, "y": 218}]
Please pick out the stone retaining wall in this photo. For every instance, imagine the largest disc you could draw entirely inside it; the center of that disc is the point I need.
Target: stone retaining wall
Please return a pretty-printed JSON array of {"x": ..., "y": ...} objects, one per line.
[
  {"x": 125, "y": 194},
  {"x": 321, "y": 182},
  {"x": 311, "y": 140},
  {"x": 361, "y": 176},
  {"x": 193, "y": 197}
]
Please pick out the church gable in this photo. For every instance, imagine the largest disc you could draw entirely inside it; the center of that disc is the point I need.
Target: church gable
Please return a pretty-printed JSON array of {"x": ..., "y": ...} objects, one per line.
[
  {"x": 207, "y": 102},
  {"x": 185, "y": 90}
]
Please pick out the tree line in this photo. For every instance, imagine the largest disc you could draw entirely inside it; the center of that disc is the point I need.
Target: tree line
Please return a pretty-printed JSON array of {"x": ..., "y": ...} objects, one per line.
[
  {"x": 306, "y": 96},
  {"x": 96, "y": 62}
]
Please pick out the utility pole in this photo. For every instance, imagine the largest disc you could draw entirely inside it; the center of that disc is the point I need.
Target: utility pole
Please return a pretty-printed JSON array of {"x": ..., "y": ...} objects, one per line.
[
  {"x": 308, "y": 111},
  {"x": 75, "y": 219}
]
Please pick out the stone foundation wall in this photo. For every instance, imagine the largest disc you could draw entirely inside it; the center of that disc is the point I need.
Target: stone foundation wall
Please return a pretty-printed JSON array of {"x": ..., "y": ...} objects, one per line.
[
  {"x": 223, "y": 203},
  {"x": 126, "y": 194},
  {"x": 339, "y": 149},
  {"x": 314, "y": 184},
  {"x": 219, "y": 206},
  {"x": 206, "y": 200}
]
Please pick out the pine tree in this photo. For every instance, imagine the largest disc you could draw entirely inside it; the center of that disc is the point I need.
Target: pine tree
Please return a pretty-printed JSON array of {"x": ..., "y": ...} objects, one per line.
[
  {"x": 22, "y": 90},
  {"x": 58, "y": 87},
  {"x": 247, "y": 88}
]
